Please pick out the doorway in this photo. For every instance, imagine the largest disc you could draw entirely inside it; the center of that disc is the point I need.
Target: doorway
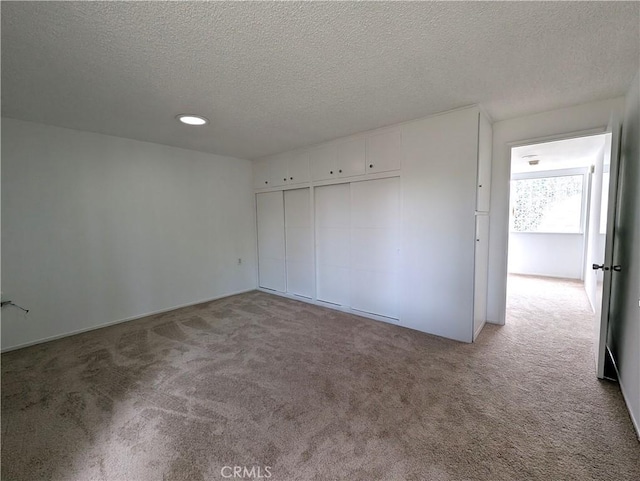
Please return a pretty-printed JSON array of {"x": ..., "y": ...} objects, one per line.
[{"x": 557, "y": 230}]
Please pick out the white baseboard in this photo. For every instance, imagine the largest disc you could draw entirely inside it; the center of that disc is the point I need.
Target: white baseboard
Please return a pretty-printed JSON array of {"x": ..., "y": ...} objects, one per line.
[
  {"x": 634, "y": 421},
  {"x": 119, "y": 321},
  {"x": 335, "y": 307}
]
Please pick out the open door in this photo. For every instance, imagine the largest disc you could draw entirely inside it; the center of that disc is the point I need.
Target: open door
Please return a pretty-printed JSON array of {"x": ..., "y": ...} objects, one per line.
[{"x": 606, "y": 264}]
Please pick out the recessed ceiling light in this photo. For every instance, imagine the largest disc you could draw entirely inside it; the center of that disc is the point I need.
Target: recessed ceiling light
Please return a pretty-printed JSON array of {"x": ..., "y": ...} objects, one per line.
[{"x": 191, "y": 119}]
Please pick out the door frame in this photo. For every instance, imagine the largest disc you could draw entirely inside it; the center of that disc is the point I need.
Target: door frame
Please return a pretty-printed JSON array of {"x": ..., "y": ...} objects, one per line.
[{"x": 504, "y": 227}]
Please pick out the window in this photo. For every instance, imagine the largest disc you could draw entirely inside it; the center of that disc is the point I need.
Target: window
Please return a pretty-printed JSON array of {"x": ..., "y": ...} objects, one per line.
[{"x": 547, "y": 204}]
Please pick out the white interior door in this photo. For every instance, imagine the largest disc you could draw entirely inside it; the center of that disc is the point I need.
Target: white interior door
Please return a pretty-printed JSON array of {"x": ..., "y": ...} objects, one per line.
[
  {"x": 603, "y": 289},
  {"x": 375, "y": 246},
  {"x": 333, "y": 250},
  {"x": 299, "y": 242},
  {"x": 598, "y": 199},
  {"x": 271, "y": 243}
]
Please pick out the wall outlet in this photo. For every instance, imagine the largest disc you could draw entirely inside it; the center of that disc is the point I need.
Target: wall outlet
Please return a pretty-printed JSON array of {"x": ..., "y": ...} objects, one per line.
[{"x": 239, "y": 260}]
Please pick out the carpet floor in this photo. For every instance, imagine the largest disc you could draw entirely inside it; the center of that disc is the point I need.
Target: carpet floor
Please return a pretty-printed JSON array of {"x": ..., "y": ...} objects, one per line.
[{"x": 289, "y": 391}]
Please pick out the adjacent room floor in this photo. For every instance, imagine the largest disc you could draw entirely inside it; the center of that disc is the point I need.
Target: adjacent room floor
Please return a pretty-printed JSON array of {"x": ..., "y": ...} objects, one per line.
[{"x": 257, "y": 380}]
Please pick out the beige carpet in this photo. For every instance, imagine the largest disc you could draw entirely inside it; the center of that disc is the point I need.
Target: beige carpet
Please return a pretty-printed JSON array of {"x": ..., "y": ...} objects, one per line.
[{"x": 259, "y": 381}]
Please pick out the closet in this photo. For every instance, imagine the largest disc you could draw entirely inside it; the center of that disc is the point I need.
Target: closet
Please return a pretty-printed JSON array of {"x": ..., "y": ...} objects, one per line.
[
  {"x": 358, "y": 245},
  {"x": 392, "y": 224},
  {"x": 285, "y": 242}
]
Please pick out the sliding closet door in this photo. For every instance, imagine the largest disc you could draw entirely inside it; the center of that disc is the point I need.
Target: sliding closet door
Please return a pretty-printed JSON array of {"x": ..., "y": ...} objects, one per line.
[
  {"x": 333, "y": 219},
  {"x": 375, "y": 246},
  {"x": 271, "y": 246},
  {"x": 299, "y": 242}
]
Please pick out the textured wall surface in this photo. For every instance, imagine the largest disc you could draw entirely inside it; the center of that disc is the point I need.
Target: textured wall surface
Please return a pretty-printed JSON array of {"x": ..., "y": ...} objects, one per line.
[{"x": 277, "y": 76}]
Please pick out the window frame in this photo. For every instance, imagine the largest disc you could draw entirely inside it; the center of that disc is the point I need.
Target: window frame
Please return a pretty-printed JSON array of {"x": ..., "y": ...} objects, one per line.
[{"x": 545, "y": 174}]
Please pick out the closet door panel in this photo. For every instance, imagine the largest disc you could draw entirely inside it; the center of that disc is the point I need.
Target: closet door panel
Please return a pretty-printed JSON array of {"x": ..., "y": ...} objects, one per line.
[
  {"x": 332, "y": 245},
  {"x": 300, "y": 278},
  {"x": 377, "y": 249},
  {"x": 299, "y": 242},
  {"x": 271, "y": 241},
  {"x": 333, "y": 285},
  {"x": 272, "y": 274},
  {"x": 380, "y": 295},
  {"x": 375, "y": 245},
  {"x": 333, "y": 220}
]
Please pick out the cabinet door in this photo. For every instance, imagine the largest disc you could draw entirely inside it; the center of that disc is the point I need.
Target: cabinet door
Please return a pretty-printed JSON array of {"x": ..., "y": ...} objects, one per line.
[
  {"x": 261, "y": 176},
  {"x": 279, "y": 170},
  {"x": 323, "y": 163},
  {"x": 299, "y": 168},
  {"x": 333, "y": 219},
  {"x": 375, "y": 246},
  {"x": 481, "y": 274},
  {"x": 351, "y": 158},
  {"x": 299, "y": 242},
  {"x": 485, "y": 139},
  {"x": 271, "y": 243},
  {"x": 384, "y": 152}
]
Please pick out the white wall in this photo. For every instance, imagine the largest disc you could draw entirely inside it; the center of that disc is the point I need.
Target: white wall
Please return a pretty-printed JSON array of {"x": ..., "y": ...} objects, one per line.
[
  {"x": 507, "y": 133},
  {"x": 545, "y": 254},
  {"x": 624, "y": 321},
  {"x": 97, "y": 229}
]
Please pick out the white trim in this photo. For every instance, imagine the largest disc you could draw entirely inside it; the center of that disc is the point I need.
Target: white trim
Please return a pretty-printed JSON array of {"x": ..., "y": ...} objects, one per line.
[
  {"x": 335, "y": 307},
  {"x": 338, "y": 180},
  {"x": 550, "y": 138},
  {"x": 475, "y": 334},
  {"x": 634, "y": 421},
  {"x": 119, "y": 321},
  {"x": 504, "y": 227},
  {"x": 546, "y": 174}
]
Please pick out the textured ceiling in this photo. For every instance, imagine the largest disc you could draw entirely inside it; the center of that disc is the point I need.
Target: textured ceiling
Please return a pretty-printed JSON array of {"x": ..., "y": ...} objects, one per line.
[{"x": 276, "y": 76}]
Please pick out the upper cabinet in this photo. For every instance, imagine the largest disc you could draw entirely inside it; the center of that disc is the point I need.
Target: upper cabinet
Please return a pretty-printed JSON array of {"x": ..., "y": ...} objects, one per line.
[
  {"x": 334, "y": 161},
  {"x": 261, "y": 174},
  {"x": 483, "y": 186},
  {"x": 323, "y": 162},
  {"x": 384, "y": 151},
  {"x": 352, "y": 158},
  {"x": 377, "y": 152},
  {"x": 281, "y": 170},
  {"x": 298, "y": 168}
]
